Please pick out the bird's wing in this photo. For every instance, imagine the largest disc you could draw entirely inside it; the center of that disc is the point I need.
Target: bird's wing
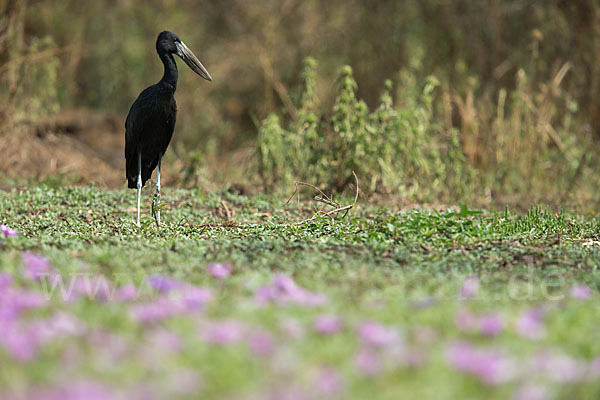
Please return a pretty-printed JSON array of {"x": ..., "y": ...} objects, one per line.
[{"x": 137, "y": 120}]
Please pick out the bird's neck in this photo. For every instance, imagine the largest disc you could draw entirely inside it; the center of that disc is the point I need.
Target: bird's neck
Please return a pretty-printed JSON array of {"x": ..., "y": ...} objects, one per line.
[{"x": 170, "y": 75}]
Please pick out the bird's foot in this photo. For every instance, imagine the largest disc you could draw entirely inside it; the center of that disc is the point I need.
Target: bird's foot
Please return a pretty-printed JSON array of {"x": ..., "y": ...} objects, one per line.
[{"x": 156, "y": 206}]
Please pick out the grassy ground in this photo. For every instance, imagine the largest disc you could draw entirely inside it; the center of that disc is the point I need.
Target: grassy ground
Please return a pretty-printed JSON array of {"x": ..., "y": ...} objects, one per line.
[{"x": 439, "y": 304}]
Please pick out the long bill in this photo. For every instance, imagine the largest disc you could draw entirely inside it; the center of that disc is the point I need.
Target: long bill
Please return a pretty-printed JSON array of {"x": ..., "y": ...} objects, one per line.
[{"x": 191, "y": 60}]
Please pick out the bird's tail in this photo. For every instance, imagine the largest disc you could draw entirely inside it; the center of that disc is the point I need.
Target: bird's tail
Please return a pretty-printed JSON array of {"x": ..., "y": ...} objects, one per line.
[{"x": 131, "y": 172}]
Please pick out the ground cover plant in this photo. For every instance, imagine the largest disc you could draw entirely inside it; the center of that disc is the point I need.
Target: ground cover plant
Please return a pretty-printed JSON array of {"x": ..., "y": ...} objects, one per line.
[
  {"x": 242, "y": 295},
  {"x": 234, "y": 298}
]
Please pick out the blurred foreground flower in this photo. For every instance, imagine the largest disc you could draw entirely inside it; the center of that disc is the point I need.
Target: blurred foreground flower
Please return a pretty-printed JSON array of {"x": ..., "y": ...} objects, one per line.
[
  {"x": 529, "y": 324},
  {"x": 377, "y": 335},
  {"x": 223, "y": 332},
  {"x": 261, "y": 343},
  {"x": 35, "y": 265},
  {"x": 284, "y": 290},
  {"x": 164, "y": 284},
  {"x": 88, "y": 390},
  {"x": 490, "y": 366},
  {"x": 559, "y": 367},
  {"x": 19, "y": 341},
  {"x": 531, "y": 392},
  {"x": 219, "y": 271},
  {"x": 368, "y": 362},
  {"x": 7, "y": 231},
  {"x": 189, "y": 299},
  {"x": 329, "y": 382},
  {"x": 6, "y": 280},
  {"x": 491, "y": 324},
  {"x": 469, "y": 288},
  {"x": 13, "y": 302},
  {"x": 580, "y": 292},
  {"x": 327, "y": 324}
]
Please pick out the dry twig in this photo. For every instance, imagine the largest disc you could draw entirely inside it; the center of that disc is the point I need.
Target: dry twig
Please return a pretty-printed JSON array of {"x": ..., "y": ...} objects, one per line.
[{"x": 322, "y": 197}]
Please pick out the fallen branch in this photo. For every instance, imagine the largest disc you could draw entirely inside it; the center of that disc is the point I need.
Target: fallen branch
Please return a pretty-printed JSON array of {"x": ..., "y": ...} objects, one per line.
[
  {"x": 322, "y": 197},
  {"x": 327, "y": 200}
]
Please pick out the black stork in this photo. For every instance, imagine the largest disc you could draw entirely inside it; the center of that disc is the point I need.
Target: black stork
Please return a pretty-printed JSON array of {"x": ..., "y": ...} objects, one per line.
[{"x": 151, "y": 119}]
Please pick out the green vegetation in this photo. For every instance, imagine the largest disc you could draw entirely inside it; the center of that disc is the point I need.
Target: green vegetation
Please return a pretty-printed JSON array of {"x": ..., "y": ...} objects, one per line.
[
  {"x": 493, "y": 103},
  {"x": 405, "y": 148},
  {"x": 395, "y": 150},
  {"x": 240, "y": 295},
  {"x": 406, "y": 270}
]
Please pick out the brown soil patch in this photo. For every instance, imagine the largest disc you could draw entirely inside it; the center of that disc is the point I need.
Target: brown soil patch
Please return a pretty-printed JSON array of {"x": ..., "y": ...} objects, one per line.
[{"x": 81, "y": 145}]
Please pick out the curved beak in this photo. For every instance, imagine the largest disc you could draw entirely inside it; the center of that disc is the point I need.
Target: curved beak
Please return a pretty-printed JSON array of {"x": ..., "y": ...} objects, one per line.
[{"x": 191, "y": 60}]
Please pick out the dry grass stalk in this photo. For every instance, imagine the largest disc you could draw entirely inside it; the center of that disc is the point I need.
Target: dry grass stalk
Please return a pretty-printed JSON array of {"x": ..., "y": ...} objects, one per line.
[{"x": 327, "y": 200}]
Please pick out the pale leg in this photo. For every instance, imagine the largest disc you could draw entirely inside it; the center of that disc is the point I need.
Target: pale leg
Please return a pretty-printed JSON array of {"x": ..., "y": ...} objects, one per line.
[
  {"x": 139, "y": 187},
  {"x": 158, "y": 191}
]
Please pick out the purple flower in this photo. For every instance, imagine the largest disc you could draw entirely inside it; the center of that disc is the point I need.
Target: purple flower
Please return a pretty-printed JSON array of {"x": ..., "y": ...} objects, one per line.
[
  {"x": 165, "y": 340},
  {"x": 35, "y": 265},
  {"x": 531, "y": 392},
  {"x": 491, "y": 324},
  {"x": 23, "y": 340},
  {"x": 164, "y": 284},
  {"x": 154, "y": 311},
  {"x": 223, "y": 332},
  {"x": 99, "y": 288},
  {"x": 367, "y": 362},
  {"x": 5, "y": 280},
  {"x": 284, "y": 391},
  {"x": 529, "y": 324},
  {"x": 261, "y": 343},
  {"x": 284, "y": 290},
  {"x": 76, "y": 391},
  {"x": 465, "y": 320},
  {"x": 19, "y": 341},
  {"x": 329, "y": 383},
  {"x": 469, "y": 288},
  {"x": 194, "y": 298},
  {"x": 114, "y": 347},
  {"x": 327, "y": 324},
  {"x": 14, "y": 302},
  {"x": 7, "y": 231},
  {"x": 77, "y": 287},
  {"x": 580, "y": 292},
  {"x": 264, "y": 295},
  {"x": 490, "y": 366},
  {"x": 126, "y": 292},
  {"x": 377, "y": 335},
  {"x": 58, "y": 326},
  {"x": 219, "y": 271},
  {"x": 559, "y": 367},
  {"x": 84, "y": 284}
]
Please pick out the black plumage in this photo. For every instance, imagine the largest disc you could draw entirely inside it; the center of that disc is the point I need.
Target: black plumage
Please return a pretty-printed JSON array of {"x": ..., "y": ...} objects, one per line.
[
  {"x": 151, "y": 119},
  {"x": 148, "y": 129}
]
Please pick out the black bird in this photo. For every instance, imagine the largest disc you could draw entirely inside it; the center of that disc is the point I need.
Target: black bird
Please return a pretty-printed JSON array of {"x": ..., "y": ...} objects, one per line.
[{"x": 151, "y": 119}]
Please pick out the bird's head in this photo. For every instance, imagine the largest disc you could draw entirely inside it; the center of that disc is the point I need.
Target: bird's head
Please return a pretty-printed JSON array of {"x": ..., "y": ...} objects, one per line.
[{"x": 168, "y": 42}]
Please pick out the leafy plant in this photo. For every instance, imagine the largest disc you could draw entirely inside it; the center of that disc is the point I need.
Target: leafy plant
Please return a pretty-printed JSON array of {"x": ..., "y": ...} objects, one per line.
[{"x": 394, "y": 149}]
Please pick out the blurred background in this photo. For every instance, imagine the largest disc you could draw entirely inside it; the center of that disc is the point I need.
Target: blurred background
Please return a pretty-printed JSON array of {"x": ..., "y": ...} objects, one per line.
[{"x": 490, "y": 101}]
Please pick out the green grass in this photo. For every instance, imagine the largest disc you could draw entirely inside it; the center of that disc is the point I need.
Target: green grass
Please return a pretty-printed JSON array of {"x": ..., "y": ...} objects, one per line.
[{"x": 400, "y": 268}]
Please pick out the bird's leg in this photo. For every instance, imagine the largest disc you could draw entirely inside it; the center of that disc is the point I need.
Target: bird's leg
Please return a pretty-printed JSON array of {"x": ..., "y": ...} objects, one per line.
[
  {"x": 157, "y": 200},
  {"x": 139, "y": 187}
]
